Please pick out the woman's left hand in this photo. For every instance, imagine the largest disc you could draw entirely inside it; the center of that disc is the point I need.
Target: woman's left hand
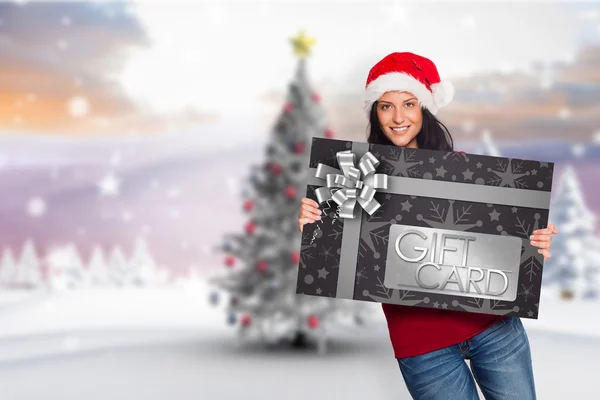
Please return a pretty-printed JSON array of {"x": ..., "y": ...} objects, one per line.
[{"x": 542, "y": 238}]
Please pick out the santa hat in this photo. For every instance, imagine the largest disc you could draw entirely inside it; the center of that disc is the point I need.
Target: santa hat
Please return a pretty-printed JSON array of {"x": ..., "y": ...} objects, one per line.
[{"x": 408, "y": 72}]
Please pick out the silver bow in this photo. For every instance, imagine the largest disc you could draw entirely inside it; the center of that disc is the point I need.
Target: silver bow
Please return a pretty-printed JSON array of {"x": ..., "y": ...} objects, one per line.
[{"x": 350, "y": 183}]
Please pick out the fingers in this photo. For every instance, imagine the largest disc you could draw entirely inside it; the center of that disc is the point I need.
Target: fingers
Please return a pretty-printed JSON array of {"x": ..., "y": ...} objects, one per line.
[
  {"x": 546, "y": 253},
  {"x": 550, "y": 230},
  {"x": 541, "y": 238},
  {"x": 309, "y": 213},
  {"x": 310, "y": 202},
  {"x": 541, "y": 245},
  {"x": 309, "y": 210}
]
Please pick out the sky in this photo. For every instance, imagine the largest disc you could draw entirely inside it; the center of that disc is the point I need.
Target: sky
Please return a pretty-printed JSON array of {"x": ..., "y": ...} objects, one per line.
[{"x": 131, "y": 67}]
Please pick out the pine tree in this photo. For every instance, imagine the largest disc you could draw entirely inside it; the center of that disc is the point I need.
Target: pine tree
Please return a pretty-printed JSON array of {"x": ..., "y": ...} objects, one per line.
[
  {"x": 30, "y": 274},
  {"x": 263, "y": 261},
  {"x": 8, "y": 268},
  {"x": 487, "y": 146},
  {"x": 97, "y": 273},
  {"x": 117, "y": 268},
  {"x": 575, "y": 266},
  {"x": 142, "y": 265}
]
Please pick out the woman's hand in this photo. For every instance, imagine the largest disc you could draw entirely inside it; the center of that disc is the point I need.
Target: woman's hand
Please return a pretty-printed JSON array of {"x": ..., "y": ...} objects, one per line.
[
  {"x": 542, "y": 238},
  {"x": 309, "y": 213}
]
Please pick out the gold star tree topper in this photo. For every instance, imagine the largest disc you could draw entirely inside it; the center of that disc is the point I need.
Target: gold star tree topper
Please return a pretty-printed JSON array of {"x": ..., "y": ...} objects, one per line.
[{"x": 302, "y": 44}]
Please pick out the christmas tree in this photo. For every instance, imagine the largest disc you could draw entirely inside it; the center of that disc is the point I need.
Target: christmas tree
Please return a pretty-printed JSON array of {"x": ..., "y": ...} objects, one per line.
[
  {"x": 573, "y": 271},
  {"x": 261, "y": 264}
]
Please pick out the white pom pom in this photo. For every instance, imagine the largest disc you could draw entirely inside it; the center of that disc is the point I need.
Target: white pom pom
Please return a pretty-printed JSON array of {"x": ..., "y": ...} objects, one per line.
[{"x": 443, "y": 93}]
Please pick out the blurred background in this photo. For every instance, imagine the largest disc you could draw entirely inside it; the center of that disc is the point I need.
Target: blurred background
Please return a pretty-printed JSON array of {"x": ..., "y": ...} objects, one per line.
[{"x": 127, "y": 130}]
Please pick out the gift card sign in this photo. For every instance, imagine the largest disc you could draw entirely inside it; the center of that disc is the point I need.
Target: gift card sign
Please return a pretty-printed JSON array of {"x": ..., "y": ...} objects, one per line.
[{"x": 454, "y": 263}]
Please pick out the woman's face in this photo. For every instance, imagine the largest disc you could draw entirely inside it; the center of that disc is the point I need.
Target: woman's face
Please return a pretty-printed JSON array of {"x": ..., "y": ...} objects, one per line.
[{"x": 400, "y": 117}]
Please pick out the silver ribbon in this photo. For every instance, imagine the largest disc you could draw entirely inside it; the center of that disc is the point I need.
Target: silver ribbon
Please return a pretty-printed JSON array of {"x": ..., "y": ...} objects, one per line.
[{"x": 343, "y": 186}]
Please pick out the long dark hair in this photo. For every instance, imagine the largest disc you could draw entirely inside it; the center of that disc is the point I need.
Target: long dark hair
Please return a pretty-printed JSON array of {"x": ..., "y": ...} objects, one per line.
[{"x": 433, "y": 135}]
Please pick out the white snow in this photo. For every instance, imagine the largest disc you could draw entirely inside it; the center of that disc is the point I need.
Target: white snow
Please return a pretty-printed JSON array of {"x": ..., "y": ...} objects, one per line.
[{"x": 172, "y": 342}]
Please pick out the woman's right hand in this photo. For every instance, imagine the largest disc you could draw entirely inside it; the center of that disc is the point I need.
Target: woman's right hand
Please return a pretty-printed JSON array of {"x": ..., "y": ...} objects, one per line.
[{"x": 309, "y": 213}]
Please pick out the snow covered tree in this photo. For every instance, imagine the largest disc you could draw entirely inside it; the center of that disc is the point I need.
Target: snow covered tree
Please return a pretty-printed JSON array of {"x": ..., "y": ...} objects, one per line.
[
  {"x": 263, "y": 261},
  {"x": 117, "y": 268},
  {"x": 8, "y": 268},
  {"x": 142, "y": 266},
  {"x": 487, "y": 147},
  {"x": 575, "y": 263},
  {"x": 97, "y": 273},
  {"x": 30, "y": 273}
]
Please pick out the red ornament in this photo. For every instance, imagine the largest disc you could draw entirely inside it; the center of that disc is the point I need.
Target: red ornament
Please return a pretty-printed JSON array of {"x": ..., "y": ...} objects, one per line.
[
  {"x": 288, "y": 107},
  {"x": 246, "y": 320},
  {"x": 295, "y": 257},
  {"x": 290, "y": 192},
  {"x": 328, "y": 133},
  {"x": 230, "y": 261},
  {"x": 262, "y": 266},
  {"x": 250, "y": 228},
  {"x": 299, "y": 148},
  {"x": 276, "y": 169},
  {"x": 248, "y": 205},
  {"x": 315, "y": 97},
  {"x": 312, "y": 321}
]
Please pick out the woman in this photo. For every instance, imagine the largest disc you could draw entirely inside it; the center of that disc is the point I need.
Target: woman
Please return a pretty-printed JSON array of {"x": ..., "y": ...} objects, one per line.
[{"x": 403, "y": 94}]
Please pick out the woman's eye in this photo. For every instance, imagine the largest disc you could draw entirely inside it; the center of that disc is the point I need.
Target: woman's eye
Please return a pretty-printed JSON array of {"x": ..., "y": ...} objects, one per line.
[
  {"x": 385, "y": 106},
  {"x": 410, "y": 105}
]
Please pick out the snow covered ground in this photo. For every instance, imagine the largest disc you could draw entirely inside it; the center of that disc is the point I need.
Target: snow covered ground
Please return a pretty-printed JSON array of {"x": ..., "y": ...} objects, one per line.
[{"x": 159, "y": 343}]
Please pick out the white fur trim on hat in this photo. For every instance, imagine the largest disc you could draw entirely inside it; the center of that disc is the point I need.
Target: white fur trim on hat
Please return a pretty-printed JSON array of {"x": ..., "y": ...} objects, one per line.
[{"x": 443, "y": 92}]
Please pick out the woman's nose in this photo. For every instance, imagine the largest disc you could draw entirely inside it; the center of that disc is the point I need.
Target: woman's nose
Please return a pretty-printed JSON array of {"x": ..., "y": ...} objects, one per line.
[{"x": 398, "y": 115}]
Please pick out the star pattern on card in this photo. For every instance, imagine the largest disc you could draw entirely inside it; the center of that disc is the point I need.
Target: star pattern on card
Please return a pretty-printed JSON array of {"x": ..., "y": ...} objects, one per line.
[
  {"x": 441, "y": 171},
  {"x": 494, "y": 215},
  {"x": 323, "y": 273},
  {"x": 432, "y": 160},
  {"x": 508, "y": 176},
  {"x": 468, "y": 175},
  {"x": 479, "y": 165},
  {"x": 406, "y": 206},
  {"x": 514, "y": 210}
]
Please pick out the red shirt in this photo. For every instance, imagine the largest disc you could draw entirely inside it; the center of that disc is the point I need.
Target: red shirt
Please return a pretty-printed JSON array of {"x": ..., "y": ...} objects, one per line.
[{"x": 418, "y": 330}]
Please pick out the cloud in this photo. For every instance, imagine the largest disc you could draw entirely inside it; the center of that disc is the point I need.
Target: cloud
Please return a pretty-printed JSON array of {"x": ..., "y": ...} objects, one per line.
[{"x": 55, "y": 53}]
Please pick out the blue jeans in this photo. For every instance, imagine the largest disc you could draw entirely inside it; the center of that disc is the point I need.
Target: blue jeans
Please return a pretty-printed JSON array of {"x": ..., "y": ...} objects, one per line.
[{"x": 500, "y": 360}]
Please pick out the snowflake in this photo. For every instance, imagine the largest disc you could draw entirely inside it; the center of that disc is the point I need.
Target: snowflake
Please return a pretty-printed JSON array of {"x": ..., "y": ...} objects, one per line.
[
  {"x": 36, "y": 207},
  {"x": 360, "y": 275},
  {"x": 526, "y": 292},
  {"x": 327, "y": 253},
  {"x": 78, "y": 107},
  {"x": 109, "y": 185},
  {"x": 564, "y": 113}
]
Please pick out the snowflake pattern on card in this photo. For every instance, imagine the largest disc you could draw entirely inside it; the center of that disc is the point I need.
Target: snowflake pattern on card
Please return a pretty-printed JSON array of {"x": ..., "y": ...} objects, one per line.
[{"x": 457, "y": 215}]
